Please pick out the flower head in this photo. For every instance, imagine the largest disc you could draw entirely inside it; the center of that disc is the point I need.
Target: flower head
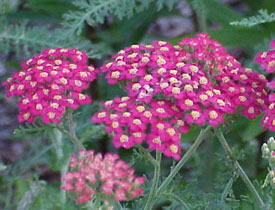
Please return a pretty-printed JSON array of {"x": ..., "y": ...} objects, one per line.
[
  {"x": 92, "y": 173},
  {"x": 198, "y": 76},
  {"x": 49, "y": 83}
]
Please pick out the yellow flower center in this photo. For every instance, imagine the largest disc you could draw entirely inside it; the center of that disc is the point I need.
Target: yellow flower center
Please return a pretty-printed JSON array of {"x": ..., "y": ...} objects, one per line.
[
  {"x": 188, "y": 102},
  {"x": 171, "y": 131},
  {"x": 194, "y": 69},
  {"x": 157, "y": 140},
  {"x": 140, "y": 108},
  {"x": 173, "y": 148},
  {"x": 115, "y": 74},
  {"x": 195, "y": 115},
  {"x": 123, "y": 138},
  {"x": 213, "y": 114}
]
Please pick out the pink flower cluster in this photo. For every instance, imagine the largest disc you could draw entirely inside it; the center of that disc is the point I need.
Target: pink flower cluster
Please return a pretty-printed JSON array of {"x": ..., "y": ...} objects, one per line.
[
  {"x": 49, "y": 82},
  {"x": 197, "y": 75},
  {"x": 267, "y": 61},
  {"x": 158, "y": 123},
  {"x": 90, "y": 174},
  {"x": 199, "y": 81}
]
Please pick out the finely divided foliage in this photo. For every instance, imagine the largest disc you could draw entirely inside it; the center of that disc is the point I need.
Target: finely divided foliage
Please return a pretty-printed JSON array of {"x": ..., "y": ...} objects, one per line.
[
  {"x": 30, "y": 40},
  {"x": 93, "y": 12},
  {"x": 262, "y": 17}
]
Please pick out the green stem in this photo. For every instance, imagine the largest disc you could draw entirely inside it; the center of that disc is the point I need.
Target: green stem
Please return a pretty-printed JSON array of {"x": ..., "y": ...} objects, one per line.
[
  {"x": 58, "y": 143},
  {"x": 242, "y": 173},
  {"x": 227, "y": 189},
  {"x": 64, "y": 170},
  {"x": 151, "y": 198},
  {"x": 184, "y": 159},
  {"x": 72, "y": 130}
]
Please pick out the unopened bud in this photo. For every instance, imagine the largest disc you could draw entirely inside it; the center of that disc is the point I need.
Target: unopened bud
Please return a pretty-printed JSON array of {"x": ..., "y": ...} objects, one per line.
[
  {"x": 265, "y": 151},
  {"x": 272, "y": 161},
  {"x": 271, "y": 143}
]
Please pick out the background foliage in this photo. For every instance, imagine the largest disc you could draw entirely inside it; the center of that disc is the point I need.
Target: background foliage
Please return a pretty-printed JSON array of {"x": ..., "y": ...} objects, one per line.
[{"x": 30, "y": 179}]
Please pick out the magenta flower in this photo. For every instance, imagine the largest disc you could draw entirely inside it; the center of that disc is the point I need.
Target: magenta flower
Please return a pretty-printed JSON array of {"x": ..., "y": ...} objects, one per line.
[
  {"x": 91, "y": 174},
  {"x": 49, "y": 83}
]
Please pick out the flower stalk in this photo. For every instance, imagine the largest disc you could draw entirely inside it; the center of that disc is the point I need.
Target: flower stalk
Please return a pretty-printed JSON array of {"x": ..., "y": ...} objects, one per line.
[
  {"x": 72, "y": 126},
  {"x": 242, "y": 173},
  {"x": 184, "y": 159},
  {"x": 151, "y": 198}
]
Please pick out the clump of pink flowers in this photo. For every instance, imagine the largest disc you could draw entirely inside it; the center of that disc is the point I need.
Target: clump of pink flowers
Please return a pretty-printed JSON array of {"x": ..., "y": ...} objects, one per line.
[
  {"x": 49, "y": 83},
  {"x": 197, "y": 75},
  {"x": 267, "y": 61},
  {"x": 91, "y": 174},
  {"x": 193, "y": 83}
]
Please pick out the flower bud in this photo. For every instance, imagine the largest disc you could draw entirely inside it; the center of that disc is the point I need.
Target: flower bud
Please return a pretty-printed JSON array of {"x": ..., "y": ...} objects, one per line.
[
  {"x": 265, "y": 151},
  {"x": 271, "y": 143},
  {"x": 272, "y": 161}
]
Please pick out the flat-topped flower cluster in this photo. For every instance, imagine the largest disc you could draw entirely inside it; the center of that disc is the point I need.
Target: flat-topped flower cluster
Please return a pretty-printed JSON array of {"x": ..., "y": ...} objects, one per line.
[
  {"x": 49, "y": 83},
  {"x": 194, "y": 82},
  {"x": 267, "y": 61},
  {"x": 91, "y": 174}
]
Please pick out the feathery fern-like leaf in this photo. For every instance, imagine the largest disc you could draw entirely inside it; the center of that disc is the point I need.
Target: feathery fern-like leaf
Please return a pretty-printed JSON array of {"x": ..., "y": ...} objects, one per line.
[
  {"x": 94, "y": 12},
  {"x": 26, "y": 40},
  {"x": 262, "y": 17}
]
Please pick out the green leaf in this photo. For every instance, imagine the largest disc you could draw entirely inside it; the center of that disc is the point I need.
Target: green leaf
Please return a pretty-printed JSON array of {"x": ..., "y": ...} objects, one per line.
[
  {"x": 94, "y": 12},
  {"x": 262, "y": 17},
  {"x": 220, "y": 12},
  {"x": 126, "y": 32}
]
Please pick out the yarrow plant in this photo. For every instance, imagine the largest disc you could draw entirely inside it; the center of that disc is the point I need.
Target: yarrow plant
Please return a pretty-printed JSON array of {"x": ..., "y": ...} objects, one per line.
[
  {"x": 170, "y": 89},
  {"x": 49, "y": 83},
  {"x": 106, "y": 177}
]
